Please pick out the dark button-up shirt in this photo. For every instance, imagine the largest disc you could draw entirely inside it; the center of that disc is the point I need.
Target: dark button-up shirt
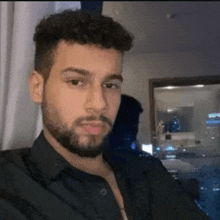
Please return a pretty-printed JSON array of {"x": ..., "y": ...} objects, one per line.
[{"x": 37, "y": 183}]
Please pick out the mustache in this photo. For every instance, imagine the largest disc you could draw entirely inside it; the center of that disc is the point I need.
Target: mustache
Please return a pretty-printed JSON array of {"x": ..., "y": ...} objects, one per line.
[{"x": 94, "y": 118}]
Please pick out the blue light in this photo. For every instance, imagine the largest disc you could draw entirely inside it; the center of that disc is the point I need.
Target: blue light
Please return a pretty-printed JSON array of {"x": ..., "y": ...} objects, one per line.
[
  {"x": 216, "y": 189},
  {"x": 158, "y": 148},
  {"x": 170, "y": 148},
  {"x": 133, "y": 146},
  {"x": 213, "y": 122},
  {"x": 170, "y": 156},
  {"x": 214, "y": 115}
]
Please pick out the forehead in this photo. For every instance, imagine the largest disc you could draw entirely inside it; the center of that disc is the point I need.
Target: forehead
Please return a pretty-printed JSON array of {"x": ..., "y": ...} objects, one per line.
[{"x": 89, "y": 57}]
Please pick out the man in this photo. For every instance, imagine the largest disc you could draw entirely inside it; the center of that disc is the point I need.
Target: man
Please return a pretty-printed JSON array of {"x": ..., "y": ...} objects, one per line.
[
  {"x": 124, "y": 132},
  {"x": 68, "y": 173}
]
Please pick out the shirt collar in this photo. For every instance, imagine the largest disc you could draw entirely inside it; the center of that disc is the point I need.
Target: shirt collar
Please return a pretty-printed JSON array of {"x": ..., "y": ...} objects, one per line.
[
  {"x": 46, "y": 159},
  {"x": 49, "y": 164}
]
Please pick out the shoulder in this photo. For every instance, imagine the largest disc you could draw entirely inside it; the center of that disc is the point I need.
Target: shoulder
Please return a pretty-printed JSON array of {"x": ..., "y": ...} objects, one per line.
[
  {"x": 14, "y": 154},
  {"x": 147, "y": 164},
  {"x": 165, "y": 192},
  {"x": 138, "y": 162},
  {"x": 13, "y": 158}
]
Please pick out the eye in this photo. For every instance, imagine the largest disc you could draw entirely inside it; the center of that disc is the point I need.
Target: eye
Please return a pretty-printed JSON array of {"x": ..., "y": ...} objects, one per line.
[
  {"x": 112, "y": 85},
  {"x": 76, "y": 82}
]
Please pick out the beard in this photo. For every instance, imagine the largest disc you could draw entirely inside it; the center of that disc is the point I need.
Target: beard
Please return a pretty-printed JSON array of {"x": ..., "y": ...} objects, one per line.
[{"x": 84, "y": 145}]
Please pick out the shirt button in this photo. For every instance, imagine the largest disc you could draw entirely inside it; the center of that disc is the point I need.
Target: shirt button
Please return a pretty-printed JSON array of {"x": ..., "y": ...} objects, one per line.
[{"x": 103, "y": 192}]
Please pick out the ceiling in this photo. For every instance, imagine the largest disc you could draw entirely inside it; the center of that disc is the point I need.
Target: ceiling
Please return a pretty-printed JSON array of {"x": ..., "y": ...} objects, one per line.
[
  {"x": 190, "y": 88},
  {"x": 195, "y": 25}
]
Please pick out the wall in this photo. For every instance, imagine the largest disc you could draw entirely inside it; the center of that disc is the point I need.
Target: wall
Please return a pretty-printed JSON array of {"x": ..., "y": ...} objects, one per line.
[{"x": 139, "y": 68}]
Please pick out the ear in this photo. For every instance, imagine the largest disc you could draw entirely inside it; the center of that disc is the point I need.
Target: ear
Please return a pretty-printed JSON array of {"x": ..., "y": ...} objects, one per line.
[{"x": 36, "y": 86}]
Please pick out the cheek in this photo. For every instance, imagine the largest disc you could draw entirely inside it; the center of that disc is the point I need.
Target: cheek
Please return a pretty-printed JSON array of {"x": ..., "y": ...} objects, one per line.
[
  {"x": 114, "y": 104},
  {"x": 68, "y": 104}
]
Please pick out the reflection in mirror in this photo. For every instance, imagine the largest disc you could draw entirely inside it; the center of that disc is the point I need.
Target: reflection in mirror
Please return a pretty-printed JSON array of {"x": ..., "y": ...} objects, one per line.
[
  {"x": 178, "y": 119},
  {"x": 184, "y": 113}
]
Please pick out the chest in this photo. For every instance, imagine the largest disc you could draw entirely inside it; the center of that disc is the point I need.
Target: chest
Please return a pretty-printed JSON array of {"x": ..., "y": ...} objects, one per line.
[
  {"x": 117, "y": 193},
  {"x": 89, "y": 197},
  {"x": 133, "y": 196}
]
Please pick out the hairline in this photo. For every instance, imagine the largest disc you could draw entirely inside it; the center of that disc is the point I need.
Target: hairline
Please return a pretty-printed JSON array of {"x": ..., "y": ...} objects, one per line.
[{"x": 53, "y": 53}]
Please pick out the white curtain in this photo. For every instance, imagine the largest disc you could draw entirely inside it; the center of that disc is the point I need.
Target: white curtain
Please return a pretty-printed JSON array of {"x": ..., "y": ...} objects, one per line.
[{"x": 20, "y": 119}]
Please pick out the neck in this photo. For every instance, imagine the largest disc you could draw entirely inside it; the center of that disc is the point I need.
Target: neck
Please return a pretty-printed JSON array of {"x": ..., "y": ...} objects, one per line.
[{"x": 95, "y": 166}]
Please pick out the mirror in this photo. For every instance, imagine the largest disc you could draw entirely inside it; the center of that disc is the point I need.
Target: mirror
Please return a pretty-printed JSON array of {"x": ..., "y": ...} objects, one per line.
[
  {"x": 183, "y": 108},
  {"x": 185, "y": 128}
]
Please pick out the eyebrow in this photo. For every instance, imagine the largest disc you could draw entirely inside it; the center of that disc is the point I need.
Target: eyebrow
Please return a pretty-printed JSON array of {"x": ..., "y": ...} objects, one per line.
[
  {"x": 86, "y": 73},
  {"x": 76, "y": 70}
]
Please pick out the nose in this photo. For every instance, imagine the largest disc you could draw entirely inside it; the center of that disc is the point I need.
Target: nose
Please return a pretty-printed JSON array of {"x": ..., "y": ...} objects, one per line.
[{"x": 96, "y": 100}]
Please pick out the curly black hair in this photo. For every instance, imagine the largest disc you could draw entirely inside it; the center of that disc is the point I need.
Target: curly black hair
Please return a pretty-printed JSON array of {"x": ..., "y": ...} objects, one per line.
[{"x": 78, "y": 26}]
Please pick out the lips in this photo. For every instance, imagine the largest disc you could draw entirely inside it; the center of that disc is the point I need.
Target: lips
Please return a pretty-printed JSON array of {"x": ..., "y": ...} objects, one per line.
[{"x": 93, "y": 128}]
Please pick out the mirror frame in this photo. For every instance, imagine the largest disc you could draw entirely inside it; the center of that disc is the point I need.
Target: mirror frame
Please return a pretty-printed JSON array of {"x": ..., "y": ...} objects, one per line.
[{"x": 176, "y": 81}]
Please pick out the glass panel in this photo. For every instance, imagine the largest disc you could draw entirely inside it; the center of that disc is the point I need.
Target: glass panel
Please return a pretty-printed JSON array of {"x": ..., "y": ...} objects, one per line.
[{"x": 188, "y": 140}]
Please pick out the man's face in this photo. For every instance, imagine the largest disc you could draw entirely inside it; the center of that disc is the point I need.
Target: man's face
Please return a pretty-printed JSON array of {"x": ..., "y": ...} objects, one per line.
[{"x": 82, "y": 96}]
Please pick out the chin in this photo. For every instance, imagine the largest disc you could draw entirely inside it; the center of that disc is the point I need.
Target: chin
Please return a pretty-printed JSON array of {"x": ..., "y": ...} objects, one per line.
[
  {"x": 90, "y": 141},
  {"x": 89, "y": 146}
]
